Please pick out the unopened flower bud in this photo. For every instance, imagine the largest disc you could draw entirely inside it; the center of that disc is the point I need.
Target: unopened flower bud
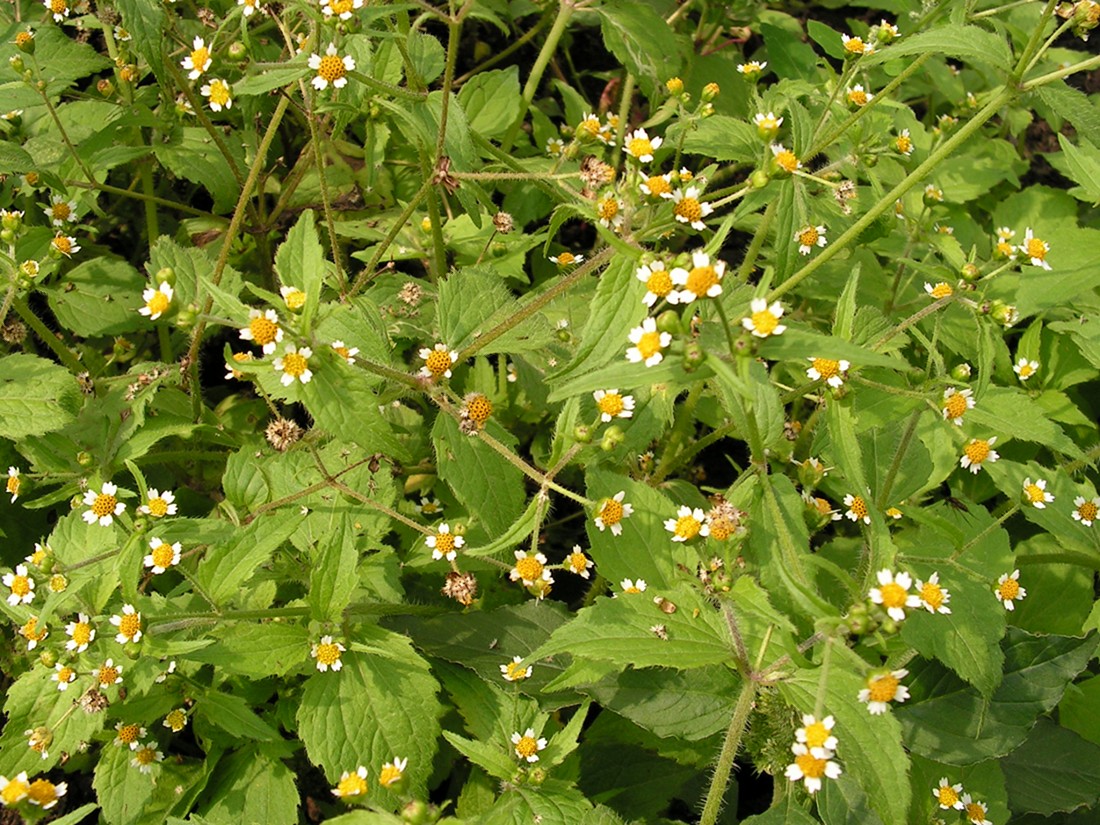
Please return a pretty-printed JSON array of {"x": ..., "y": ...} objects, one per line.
[
  {"x": 758, "y": 179},
  {"x": 710, "y": 92},
  {"x": 17, "y": 64},
  {"x": 970, "y": 272},
  {"x": 582, "y": 433},
  {"x": 694, "y": 356},
  {"x": 105, "y": 86},
  {"x": 675, "y": 86},
  {"x": 961, "y": 372},
  {"x": 669, "y": 321},
  {"x": 237, "y": 51},
  {"x": 24, "y": 41}
]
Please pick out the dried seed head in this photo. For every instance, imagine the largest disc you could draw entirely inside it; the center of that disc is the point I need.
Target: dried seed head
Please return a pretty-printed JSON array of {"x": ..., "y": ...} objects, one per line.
[
  {"x": 503, "y": 223},
  {"x": 595, "y": 173},
  {"x": 92, "y": 701},
  {"x": 13, "y": 332},
  {"x": 411, "y": 293},
  {"x": 462, "y": 587},
  {"x": 282, "y": 433}
]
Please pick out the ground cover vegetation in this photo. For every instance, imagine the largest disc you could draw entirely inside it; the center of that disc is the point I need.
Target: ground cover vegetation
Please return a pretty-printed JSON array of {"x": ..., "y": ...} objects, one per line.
[{"x": 570, "y": 412}]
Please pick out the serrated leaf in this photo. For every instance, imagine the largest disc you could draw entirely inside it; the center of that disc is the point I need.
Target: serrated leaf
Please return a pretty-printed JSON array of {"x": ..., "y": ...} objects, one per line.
[
  {"x": 553, "y": 801},
  {"x": 642, "y": 42},
  {"x": 1053, "y": 770},
  {"x": 468, "y": 299},
  {"x": 14, "y": 158},
  {"x": 249, "y": 786},
  {"x": 969, "y": 43},
  {"x": 226, "y": 567},
  {"x": 1011, "y": 412},
  {"x": 492, "y": 101},
  {"x": 870, "y": 747},
  {"x": 300, "y": 262},
  {"x": 333, "y": 577},
  {"x": 490, "y": 757},
  {"x": 234, "y": 715},
  {"x": 36, "y": 396},
  {"x": 245, "y": 482},
  {"x": 256, "y": 651},
  {"x": 1072, "y": 105},
  {"x": 1083, "y": 164},
  {"x": 951, "y": 722},
  {"x": 271, "y": 78},
  {"x": 100, "y": 297},
  {"x": 721, "y": 138},
  {"x": 146, "y": 22},
  {"x": 122, "y": 790},
  {"x": 189, "y": 152},
  {"x": 370, "y": 711}
]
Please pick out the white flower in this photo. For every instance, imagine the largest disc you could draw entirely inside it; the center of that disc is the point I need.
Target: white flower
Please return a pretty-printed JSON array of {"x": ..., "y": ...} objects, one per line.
[
  {"x": 21, "y": 585},
  {"x": 810, "y": 767},
  {"x": 612, "y": 511},
  {"x": 341, "y": 10},
  {"x": 1008, "y": 590},
  {"x": 103, "y": 506},
  {"x": 975, "y": 812},
  {"x": 703, "y": 279},
  {"x": 1035, "y": 249},
  {"x": 294, "y": 364},
  {"x": 817, "y": 736},
  {"x": 810, "y": 236},
  {"x": 156, "y": 301},
  {"x": 828, "y": 370},
  {"x": 1035, "y": 493},
  {"x": 1025, "y": 368},
  {"x": 687, "y": 208},
  {"x": 933, "y": 598},
  {"x": 513, "y": 673},
  {"x": 658, "y": 283},
  {"x": 263, "y": 328},
  {"x": 688, "y": 524},
  {"x": 648, "y": 343},
  {"x": 641, "y": 147},
  {"x": 764, "y": 320},
  {"x": 893, "y": 593},
  {"x": 630, "y": 586},
  {"x": 344, "y": 351},
  {"x": 1085, "y": 510},
  {"x": 947, "y": 795},
  {"x": 218, "y": 94},
  {"x": 527, "y": 746},
  {"x": 444, "y": 543},
  {"x": 613, "y": 405},
  {"x": 198, "y": 61},
  {"x": 331, "y": 68},
  {"x": 882, "y": 689}
]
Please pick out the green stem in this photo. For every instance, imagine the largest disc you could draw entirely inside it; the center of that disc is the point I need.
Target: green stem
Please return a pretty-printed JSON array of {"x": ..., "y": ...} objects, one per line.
[
  {"x": 1032, "y": 43},
  {"x": 732, "y": 743},
  {"x": 326, "y": 199},
  {"x": 684, "y": 420},
  {"x": 565, "y": 12},
  {"x": 1042, "y": 80},
  {"x": 454, "y": 32},
  {"x": 63, "y": 353},
  {"x": 757, "y": 242},
  {"x": 899, "y": 456},
  {"x": 888, "y": 200},
  {"x": 625, "y": 100},
  {"x": 127, "y": 193},
  {"x": 398, "y": 224}
]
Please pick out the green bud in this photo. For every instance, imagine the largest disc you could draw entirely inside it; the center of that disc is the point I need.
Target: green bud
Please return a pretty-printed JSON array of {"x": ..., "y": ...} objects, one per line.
[
  {"x": 165, "y": 275},
  {"x": 759, "y": 179},
  {"x": 498, "y": 249},
  {"x": 669, "y": 321},
  {"x": 536, "y": 776},
  {"x": 48, "y": 658},
  {"x": 870, "y": 161},
  {"x": 105, "y": 87},
  {"x": 889, "y": 626},
  {"x": 237, "y": 51},
  {"x": 7, "y": 236},
  {"x": 583, "y": 433},
  {"x": 24, "y": 41},
  {"x": 694, "y": 355},
  {"x": 961, "y": 372},
  {"x": 415, "y": 813},
  {"x": 970, "y": 272},
  {"x": 612, "y": 438},
  {"x": 17, "y": 64},
  {"x": 482, "y": 51},
  {"x": 84, "y": 458},
  {"x": 710, "y": 92},
  {"x": 186, "y": 317}
]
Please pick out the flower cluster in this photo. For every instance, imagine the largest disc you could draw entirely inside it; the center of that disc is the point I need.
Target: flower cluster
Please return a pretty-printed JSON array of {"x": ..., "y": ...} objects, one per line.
[{"x": 813, "y": 753}]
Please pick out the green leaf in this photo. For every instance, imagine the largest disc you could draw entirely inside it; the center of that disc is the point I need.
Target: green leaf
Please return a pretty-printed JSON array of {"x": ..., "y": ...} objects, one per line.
[
  {"x": 122, "y": 790},
  {"x": 784, "y": 812},
  {"x": 146, "y": 21},
  {"x": 333, "y": 577},
  {"x": 492, "y": 101},
  {"x": 36, "y": 396},
  {"x": 300, "y": 262},
  {"x": 76, "y": 816},
  {"x": 969, "y": 43},
  {"x": 490, "y": 757},
  {"x": 249, "y": 786},
  {"x": 226, "y": 567},
  {"x": 799, "y": 344},
  {"x": 564, "y": 742},
  {"x": 64, "y": 60},
  {"x": 256, "y": 651},
  {"x": 1011, "y": 412},
  {"x": 14, "y": 158},
  {"x": 372, "y": 710},
  {"x": 100, "y": 297},
  {"x": 1083, "y": 165},
  {"x": 788, "y": 55},
  {"x": 189, "y": 152},
  {"x": 721, "y": 138},
  {"x": 234, "y": 715},
  {"x": 619, "y": 630},
  {"x": 1053, "y": 770},
  {"x": 843, "y": 802},
  {"x": 1072, "y": 105},
  {"x": 488, "y": 485},
  {"x": 245, "y": 481},
  {"x": 870, "y": 748},
  {"x": 468, "y": 299},
  {"x": 950, "y": 722},
  {"x": 642, "y": 42},
  {"x": 270, "y": 79},
  {"x": 553, "y": 801}
]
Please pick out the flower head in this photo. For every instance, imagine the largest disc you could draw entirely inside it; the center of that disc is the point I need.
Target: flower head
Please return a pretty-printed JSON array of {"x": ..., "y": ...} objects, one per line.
[
  {"x": 577, "y": 562},
  {"x": 764, "y": 320},
  {"x": 250, "y": 7},
  {"x": 159, "y": 504},
  {"x": 530, "y": 568},
  {"x": 527, "y": 746},
  {"x": 103, "y": 506},
  {"x": 947, "y": 795},
  {"x": 767, "y": 125},
  {"x": 632, "y": 586},
  {"x": 129, "y": 735},
  {"x": 883, "y": 688},
  {"x": 21, "y": 585},
  {"x": 704, "y": 279},
  {"x": 829, "y": 370},
  {"x": 956, "y": 403},
  {"x": 198, "y": 61},
  {"x": 687, "y": 208},
  {"x": 263, "y": 329},
  {"x": 14, "y": 483},
  {"x": 294, "y": 364},
  {"x": 609, "y": 211},
  {"x": 14, "y": 790},
  {"x": 1034, "y": 249},
  {"x": 44, "y": 794},
  {"x": 392, "y": 772},
  {"x": 331, "y": 68},
  {"x": 648, "y": 343},
  {"x": 977, "y": 452},
  {"x": 340, "y": 9},
  {"x": 156, "y": 300},
  {"x": 128, "y": 623},
  {"x": 613, "y": 405},
  {"x": 855, "y": 46},
  {"x": 175, "y": 720},
  {"x": 784, "y": 159},
  {"x": 657, "y": 186},
  {"x": 564, "y": 259},
  {"x": 1008, "y": 590},
  {"x": 437, "y": 361},
  {"x": 893, "y": 593},
  {"x": 108, "y": 674},
  {"x": 939, "y": 290},
  {"x": 857, "y": 508},
  {"x": 33, "y": 633},
  {"x": 293, "y": 297},
  {"x": 80, "y": 633},
  {"x": 145, "y": 756},
  {"x": 611, "y": 513},
  {"x": 752, "y": 69},
  {"x": 1025, "y": 368},
  {"x": 858, "y": 96},
  {"x": 817, "y": 734},
  {"x": 933, "y": 598},
  {"x": 352, "y": 783},
  {"x": 444, "y": 543},
  {"x": 688, "y": 524},
  {"x": 555, "y": 146},
  {"x": 344, "y": 351},
  {"x": 904, "y": 143},
  {"x": 1035, "y": 493},
  {"x": 64, "y": 245},
  {"x": 514, "y": 671},
  {"x": 975, "y": 812},
  {"x": 327, "y": 653},
  {"x": 810, "y": 765},
  {"x": 658, "y": 283},
  {"x": 58, "y": 8},
  {"x": 218, "y": 94},
  {"x": 641, "y": 147},
  {"x": 60, "y": 211},
  {"x": 808, "y": 237},
  {"x": 1086, "y": 509}
]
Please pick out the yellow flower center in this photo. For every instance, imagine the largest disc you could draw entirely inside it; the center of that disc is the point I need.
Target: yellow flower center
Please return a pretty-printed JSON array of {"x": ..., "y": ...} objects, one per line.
[
  {"x": 391, "y": 774},
  {"x": 66, "y": 674},
  {"x": 1035, "y": 248},
  {"x": 438, "y": 362},
  {"x": 975, "y": 812},
  {"x": 82, "y": 633},
  {"x": 58, "y": 583},
  {"x": 104, "y": 505},
  {"x": 687, "y": 527},
  {"x": 854, "y": 45},
  {"x": 611, "y": 404},
  {"x": 591, "y": 125},
  {"x": 130, "y": 625},
  {"x": 341, "y": 6},
  {"x": 649, "y": 344},
  {"x": 816, "y": 735},
  {"x": 859, "y": 508},
  {"x": 59, "y": 6},
  {"x": 639, "y": 147},
  {"x": 941, "y": 290},
  {"x": 578, "y": 562},
  {"x": 611, "y": 512},
  {"x": 219, "y": 94},
  {"x": 1087, "y": 511},
  {"x": 444, "y": 543},
  {"x": 479, "y": 408},
  {"x": 158, "y": 506},
  {"x": 566, "y": 258},
  {"x": 14, "y": 791},
  {"x": 893, "y": 595},
  {"x": 932, "y": 595},
  {"x": 904, "y": 144},
  {"x": 1008, "y": 589},
  {"x": 808, "y": 236},
  {"x": 264, "y": 331},
  {"x": 146, "y": 756},
  {"x": 128, "y": 733},
  {"x": 810, "y": 765},
  {"x": 1026, "y": 370},
  {"x": 764, "y": 322},
  {"x": 163, "y": 555},
  {"x": 30, "y": 630},
  {"x": 23, "y": 38},
  {"x": 529, "y": 568},
  {"x": 688, "y": 209},
  {"x": 857, "y": 97},
  {"x": 296, "y": 299},
  {"x": 527, "y": 747},
  {"x": 608, "y": 208},
  {"x": 977, "y": 450},
  {"x": 63, "y": 245},
  {"x": 176, "y": 720},
  {"x": 786, "y": 160},
  {"x": 13, "y": 485},
  {"x": 328, "y": 653},
  {"x": 294, "y": 364},
  {"x": 883, "y": 688},
  {"x": 158, "y": 304},
  {"x": 199, "y": 58},
  {"x": 351, "y": 785},
  {"x": 955, "y": 405},
  {"x": 659, "y": 283},
  {"x": 721, "y": 529},
  {"x": 20, "y": 585},
  {"x": 701, "y": 279},
  {"x": 657, "y": 185},
  {"x": 331, "y": 68},
  {"x": 947, "y": 796},
  {"x": 826, "y": 367},
  {"x": 60, "y": 211},
  {"x": 108, "y": 675},
  {"x": 1034, "y": 493}
]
